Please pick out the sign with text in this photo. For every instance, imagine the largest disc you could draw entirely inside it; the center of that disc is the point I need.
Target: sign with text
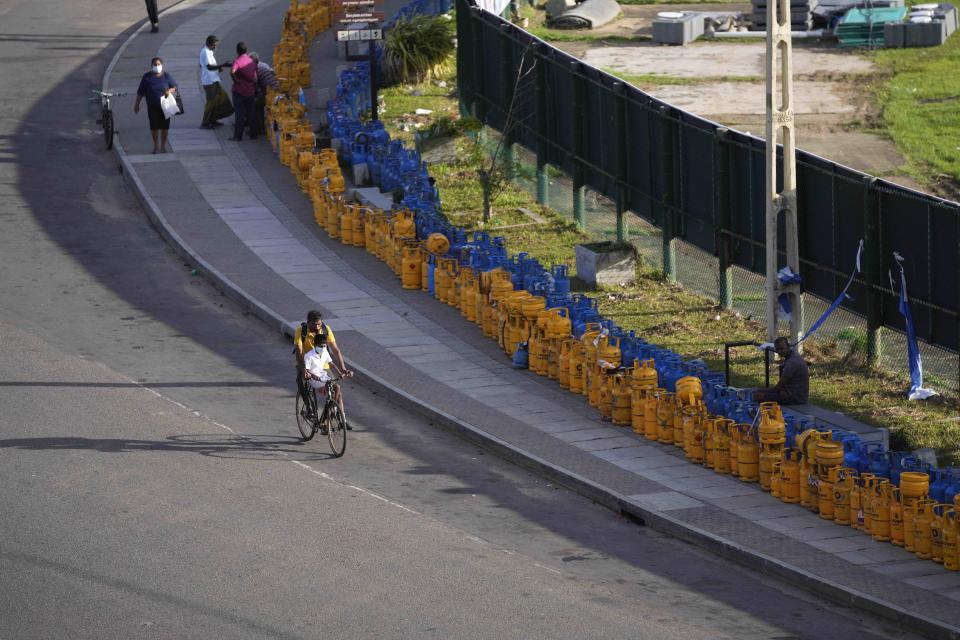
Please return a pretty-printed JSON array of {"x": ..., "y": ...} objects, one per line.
[
  {"x": 359, "y": 35},
  {"x": 353, "y": 11}
]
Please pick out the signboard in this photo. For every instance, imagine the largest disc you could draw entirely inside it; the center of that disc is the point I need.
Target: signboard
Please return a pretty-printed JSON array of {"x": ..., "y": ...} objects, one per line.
[
  {"x": 353, "y": 11},
  {"x": 359, "y": 35},
  {"x": 493, "y": 6}
]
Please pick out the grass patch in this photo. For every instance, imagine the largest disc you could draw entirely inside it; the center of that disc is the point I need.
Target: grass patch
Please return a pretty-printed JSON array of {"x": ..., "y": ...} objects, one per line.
[
  {"x": 656, "y": 79},
  {"x": 564, "y": 35},
  {"x": 919, "y": 97}
]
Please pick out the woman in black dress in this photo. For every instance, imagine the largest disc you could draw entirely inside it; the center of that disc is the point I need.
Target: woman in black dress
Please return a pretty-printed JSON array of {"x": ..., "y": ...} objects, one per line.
[{"x": 155, "y": 85}]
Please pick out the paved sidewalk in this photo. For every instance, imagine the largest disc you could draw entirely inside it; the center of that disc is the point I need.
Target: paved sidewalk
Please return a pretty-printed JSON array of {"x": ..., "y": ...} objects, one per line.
[{"x": 235, "y": 211}]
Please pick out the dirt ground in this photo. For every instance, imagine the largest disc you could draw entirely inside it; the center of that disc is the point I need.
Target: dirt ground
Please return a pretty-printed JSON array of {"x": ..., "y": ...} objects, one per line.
[{"x": 724, "y": 82}]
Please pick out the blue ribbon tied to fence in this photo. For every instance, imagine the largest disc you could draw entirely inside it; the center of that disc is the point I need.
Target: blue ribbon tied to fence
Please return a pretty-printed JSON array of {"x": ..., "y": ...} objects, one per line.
[
  {"x": 917, "y": 390},
  {"x": 840, "y": 298}
]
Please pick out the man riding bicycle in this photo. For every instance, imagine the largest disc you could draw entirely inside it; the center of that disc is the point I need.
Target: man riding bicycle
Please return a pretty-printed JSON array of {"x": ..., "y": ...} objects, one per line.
[{"x": 316, "y": 351}]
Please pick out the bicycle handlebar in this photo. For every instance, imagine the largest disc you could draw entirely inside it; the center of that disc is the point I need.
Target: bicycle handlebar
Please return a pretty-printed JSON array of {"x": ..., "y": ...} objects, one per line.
[{"x": 107, "y": 94}]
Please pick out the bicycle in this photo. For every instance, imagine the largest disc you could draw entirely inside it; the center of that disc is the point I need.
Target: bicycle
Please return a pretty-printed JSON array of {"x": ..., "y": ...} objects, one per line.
[
  {"x": 106, "y": 114},
  {"x": 332, "y": 422}
]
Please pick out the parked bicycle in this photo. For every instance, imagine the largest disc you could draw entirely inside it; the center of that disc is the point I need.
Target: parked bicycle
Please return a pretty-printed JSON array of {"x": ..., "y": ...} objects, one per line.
[
  {"x": 330, "y": 421},
  {"x": 106, "y": 114}
]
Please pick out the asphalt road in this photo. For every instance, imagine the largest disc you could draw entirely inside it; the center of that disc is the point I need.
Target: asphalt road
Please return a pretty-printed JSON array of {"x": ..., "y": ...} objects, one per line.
[{"x": 152, "y": 482}]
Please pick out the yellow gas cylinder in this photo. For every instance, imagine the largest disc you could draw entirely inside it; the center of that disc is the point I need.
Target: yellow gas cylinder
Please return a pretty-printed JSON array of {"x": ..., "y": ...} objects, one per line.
[
  {"x": 651, "y": 428},
  {"x": 914, "y": 487},
  {"x": 776, "y": 480},
  {"x": 552, "y": 348},
  {"x": 576, "y": 366},
  {"x": 790, "y": 476},
  {"x": 715, "y": 428},
  {"x": 608, "y": 350},
  {"x": 663, "y": 412},
  {"x": 425, "y": 257},
  {"x": 936, "y": 532},
  {"x": 566, "y": 346},
  {"x": 677, "y": 423},
  {"x": 590, "y": 339},
  {"x": 536, "y": 351},
  {"x": 359, "y": 227},
  {"x": 688, "y": 417},
  {"x": 333, "y": 219},
  {"x": 517, "y": 331},
  {"x": 772, "y": 435},
  {"x": 346, "y": 224},
  {"x": 438, "y": 244},
  {"x": 733, "y": 447},
  {"x": 696, "y": 448},
  {"x": 469, "y": 294},
  {"x": 828, "y": 459},
  {"x": 689, "y": 391},
  {"x": 453, "y": 293},
  {"x": 841, "y": 495},
  {"x": 411, "y": 266},
  {"x": 320, "y": 207},
  {"x": 922, "y": 523},
  {"x": 951, "y": 534},
  {"x": 896, "y": 517},
  {"x": 638, "y": 405},
  {"x": 644, "y": 374},
  {"x": 605, "y": 394},
  {"x": 441, "y": 280},
  {"x": 867, "y": 482},
  {"x": 748, "y": 455},
  {"x": 721, "y": 445},
  {"x": 621, "y": 398},
  {"x": 404, "y": 226},
  {"x": 371, "y": 221},
  {"x": 880, "y": 510}
]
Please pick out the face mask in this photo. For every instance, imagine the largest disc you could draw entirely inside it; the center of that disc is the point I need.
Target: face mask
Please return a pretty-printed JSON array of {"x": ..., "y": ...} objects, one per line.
[{"x": 157, "y": 68}]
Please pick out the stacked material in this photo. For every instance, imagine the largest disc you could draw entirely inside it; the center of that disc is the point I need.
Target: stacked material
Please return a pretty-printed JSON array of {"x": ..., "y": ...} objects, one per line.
[
  {"x": 928, "y": 25},
  {"x": 801, "y": 14},
  {"x": 865, "y": 27}
]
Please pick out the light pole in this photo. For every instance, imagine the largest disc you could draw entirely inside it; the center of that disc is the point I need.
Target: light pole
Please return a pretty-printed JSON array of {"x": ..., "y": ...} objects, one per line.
[{"x": 781, "y": 203}]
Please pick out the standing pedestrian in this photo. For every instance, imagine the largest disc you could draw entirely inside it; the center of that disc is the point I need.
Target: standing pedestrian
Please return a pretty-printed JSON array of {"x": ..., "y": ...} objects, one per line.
[
  {"x": 153, "y": 15},
  {"x": 154, "y": 85},
  {"x": 214, "y": 107},
  {"x": 244, "y": 74},
  {"x": 266, "y": 79}
]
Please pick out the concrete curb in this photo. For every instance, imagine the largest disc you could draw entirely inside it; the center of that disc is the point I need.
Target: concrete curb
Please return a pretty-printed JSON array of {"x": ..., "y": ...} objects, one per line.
[{"x": 602, "y": 495}]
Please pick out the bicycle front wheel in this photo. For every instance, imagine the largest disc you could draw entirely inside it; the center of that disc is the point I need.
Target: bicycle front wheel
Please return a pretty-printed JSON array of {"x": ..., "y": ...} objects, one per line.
[
  {"x": 337, "y": 431},
  {"x": 306, "y": 417},
  {"x": 107, "y": 119}
]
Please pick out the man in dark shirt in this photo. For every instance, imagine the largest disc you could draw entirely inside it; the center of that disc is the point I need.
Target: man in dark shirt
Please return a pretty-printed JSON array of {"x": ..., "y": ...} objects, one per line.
[{"x": 794, "y": 384}]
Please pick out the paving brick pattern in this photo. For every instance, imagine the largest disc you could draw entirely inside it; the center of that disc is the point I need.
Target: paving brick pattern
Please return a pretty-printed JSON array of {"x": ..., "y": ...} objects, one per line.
[{"x": 258, "y": 233}]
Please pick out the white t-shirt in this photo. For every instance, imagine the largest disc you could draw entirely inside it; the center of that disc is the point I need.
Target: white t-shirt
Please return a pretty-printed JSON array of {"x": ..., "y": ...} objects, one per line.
[
  {"x": 317, "y": 362},
  {"x": 206, "y": 75}
]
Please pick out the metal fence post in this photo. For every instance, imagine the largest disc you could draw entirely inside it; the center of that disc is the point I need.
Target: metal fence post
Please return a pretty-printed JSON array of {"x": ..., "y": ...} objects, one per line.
[
  {"x": 543, "y": 182},
  {"x": 668, "y": 177},
  {"x": 872, "y": 268},
  {"x": 721, "y": 212},
  {"x": 620, "y": 131},
  {"x": 508, "y": 78},
  {"x": 477, "y": 77},
  {"x": 464, "y": 51},
  {"x": 578, "y": 144}
]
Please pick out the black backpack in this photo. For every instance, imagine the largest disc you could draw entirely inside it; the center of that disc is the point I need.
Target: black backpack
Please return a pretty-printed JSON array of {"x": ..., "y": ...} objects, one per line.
[{"x": 304, "y": 331}]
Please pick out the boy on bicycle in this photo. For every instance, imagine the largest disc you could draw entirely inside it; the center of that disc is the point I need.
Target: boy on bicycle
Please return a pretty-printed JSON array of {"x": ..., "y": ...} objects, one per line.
[{"x": 316, "y": 349}]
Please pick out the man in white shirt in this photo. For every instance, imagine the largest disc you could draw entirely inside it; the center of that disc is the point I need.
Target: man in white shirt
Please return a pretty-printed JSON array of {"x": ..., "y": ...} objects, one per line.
[{"x": 210, "y": 79}]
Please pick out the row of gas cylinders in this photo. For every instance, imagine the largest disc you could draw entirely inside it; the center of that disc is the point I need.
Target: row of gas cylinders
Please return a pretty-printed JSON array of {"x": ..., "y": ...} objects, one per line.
[
  {"x": 291, "y": 62},
  {"x": 830, "y": 477}
]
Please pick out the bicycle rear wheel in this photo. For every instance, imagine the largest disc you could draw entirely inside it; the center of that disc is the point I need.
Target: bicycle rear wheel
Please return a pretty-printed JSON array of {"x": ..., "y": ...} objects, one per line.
[
  {"x": 337, "y": 431},
  {"x": 107, "y": 120},
  {"x": 306, "y": 416}
]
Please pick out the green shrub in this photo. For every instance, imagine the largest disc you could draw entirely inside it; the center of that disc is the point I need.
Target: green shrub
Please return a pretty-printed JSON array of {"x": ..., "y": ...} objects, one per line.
[{"x": 416, "y": 49}]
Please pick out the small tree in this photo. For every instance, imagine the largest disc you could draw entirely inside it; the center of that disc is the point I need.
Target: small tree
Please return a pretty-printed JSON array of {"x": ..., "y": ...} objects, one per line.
[{"x": 498, "y": 168}]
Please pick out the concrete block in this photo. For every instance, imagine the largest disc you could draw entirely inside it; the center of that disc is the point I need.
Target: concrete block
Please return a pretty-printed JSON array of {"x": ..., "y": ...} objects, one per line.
[{"x": 604, "y": 263}]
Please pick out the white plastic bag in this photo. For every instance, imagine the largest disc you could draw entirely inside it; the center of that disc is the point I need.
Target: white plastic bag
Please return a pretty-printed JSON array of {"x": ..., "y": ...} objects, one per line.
[{"x": 169, "y": 105}]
